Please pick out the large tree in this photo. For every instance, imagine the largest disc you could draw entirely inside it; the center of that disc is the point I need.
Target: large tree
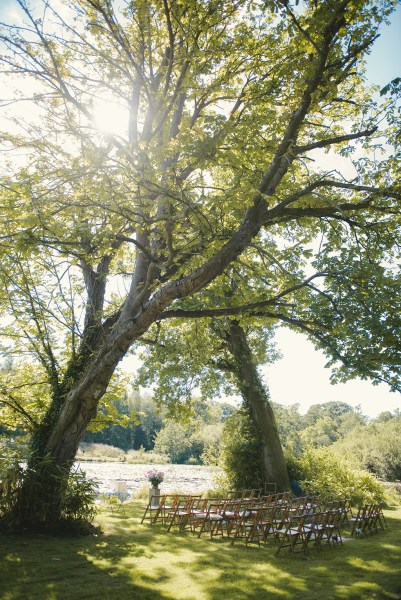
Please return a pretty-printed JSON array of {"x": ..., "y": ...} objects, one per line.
[{"x": 226, "y": 104}]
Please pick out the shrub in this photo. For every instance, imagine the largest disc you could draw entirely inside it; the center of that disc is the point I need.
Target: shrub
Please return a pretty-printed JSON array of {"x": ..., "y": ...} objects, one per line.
[
  {"x": 175, "y": 441},
  {"x": 241, "y": 452},
  {"x": 321, "y": 471},
  {"x": 11, "y": 478},
  {"x": 376, "y": 447},
  {"x": 73, "y": 510},
  {"x": 78, "y": 502}
]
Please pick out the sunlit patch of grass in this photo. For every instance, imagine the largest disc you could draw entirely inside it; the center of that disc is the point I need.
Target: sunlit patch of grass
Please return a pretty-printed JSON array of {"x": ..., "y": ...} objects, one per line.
[
  {"x": 391, "y": 547},
  {"x": 372, "y": 565}
]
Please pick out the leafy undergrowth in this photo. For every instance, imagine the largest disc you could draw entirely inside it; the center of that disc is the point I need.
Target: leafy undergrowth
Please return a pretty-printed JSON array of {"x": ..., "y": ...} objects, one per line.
[{"x": 144, "y": 562}]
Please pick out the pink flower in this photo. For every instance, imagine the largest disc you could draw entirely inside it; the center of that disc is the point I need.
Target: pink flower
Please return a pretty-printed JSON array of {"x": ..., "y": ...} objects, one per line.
[{"x": 155, "y": 477}]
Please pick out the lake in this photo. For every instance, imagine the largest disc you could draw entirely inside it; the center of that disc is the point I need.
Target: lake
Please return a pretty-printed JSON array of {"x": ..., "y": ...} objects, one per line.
[{"x": 183, "y": 478}]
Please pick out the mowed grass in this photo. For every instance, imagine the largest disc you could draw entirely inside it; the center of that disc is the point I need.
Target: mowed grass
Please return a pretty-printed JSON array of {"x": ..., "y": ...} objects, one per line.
[{"x": 130, "y": 560}]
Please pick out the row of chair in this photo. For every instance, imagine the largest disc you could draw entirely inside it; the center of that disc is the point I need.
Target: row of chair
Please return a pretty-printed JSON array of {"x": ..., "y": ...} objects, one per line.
[
  {"x": 168, "y": 506},
  {"x": 295, "y": 523},
  {"x": 368, "y": 519},
  {"x": 315, "y": 529}
]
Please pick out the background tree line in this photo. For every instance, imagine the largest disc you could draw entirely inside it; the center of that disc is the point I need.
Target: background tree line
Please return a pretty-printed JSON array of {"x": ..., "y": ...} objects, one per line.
[{"x": 213, "y": 428}]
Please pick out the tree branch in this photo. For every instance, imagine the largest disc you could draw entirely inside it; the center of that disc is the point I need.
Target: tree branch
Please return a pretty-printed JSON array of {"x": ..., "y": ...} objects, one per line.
[{"x": 334, "y": 140}]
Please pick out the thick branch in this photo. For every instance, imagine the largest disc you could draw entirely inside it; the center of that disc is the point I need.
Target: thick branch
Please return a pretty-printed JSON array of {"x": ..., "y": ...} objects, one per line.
[
  {"x": 284, "y": 155},
  {"x": 334, "y": 140}
]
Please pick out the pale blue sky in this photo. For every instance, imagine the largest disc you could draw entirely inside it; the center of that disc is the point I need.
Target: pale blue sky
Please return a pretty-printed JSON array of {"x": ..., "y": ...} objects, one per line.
[
  {"x": 384, "y": 62},
  {"x": 300, "y": 376}
]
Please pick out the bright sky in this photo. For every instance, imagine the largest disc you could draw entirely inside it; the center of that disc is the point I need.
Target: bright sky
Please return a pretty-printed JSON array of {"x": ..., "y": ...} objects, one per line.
[{"x": 300, "y": 376}]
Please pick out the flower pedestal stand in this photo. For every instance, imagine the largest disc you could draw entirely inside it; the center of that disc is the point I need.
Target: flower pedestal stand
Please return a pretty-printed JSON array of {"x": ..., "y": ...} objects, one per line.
[{"x": 155, "y": 492}]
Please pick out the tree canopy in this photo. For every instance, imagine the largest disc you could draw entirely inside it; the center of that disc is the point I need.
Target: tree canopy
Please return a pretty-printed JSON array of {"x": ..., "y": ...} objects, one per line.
[{"x": 211, "y": 201}]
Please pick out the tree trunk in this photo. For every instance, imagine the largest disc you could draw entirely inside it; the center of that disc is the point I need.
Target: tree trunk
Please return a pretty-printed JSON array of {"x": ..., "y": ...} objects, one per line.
[
  {"x": 256, "y": 399},
  {"x": 103, "y": 346},
  {"x": 39, "y": 499}
]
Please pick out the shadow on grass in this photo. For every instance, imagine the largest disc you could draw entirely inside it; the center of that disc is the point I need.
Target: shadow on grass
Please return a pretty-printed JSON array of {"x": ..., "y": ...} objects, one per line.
[
  {"x": 365, "y": 568},
  {"x": 47, "y": 568},
  {"x": 143, "y": 561}
]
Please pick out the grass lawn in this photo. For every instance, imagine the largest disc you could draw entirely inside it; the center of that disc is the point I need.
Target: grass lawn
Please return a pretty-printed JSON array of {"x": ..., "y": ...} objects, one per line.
[{"x": 130, "y": 560}]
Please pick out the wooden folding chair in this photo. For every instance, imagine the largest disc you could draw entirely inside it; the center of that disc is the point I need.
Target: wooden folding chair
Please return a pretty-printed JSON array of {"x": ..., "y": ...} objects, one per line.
[
  {"x": 323, "y": 528},
  {"x": 180, "y": 512},
  {"x": 250, "y": 524},
  {"x": 292, "y": 536},
  {"x": 269, "y": 522},
  {"x": 211, "y": 519},
  {"x": 298, "y": 505},
  {"x": 375, "y": 518},
  {"x": 346, "y": 511},
  {"x": 154, "y": 509},
  {"x": 283, "y": 498},
  {"x": 359, "y": 522},
  {"x": 315, "y": 529},
  {"x": 381, "y": 521},
  {"x": 280, "y": 517},
  {"x": 333, "y": 526},
  {"x": 230, "y": 513}
]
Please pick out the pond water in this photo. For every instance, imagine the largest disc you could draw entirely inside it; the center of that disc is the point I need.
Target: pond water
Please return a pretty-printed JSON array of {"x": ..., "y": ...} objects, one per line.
[{"x": 184, "y": 478}]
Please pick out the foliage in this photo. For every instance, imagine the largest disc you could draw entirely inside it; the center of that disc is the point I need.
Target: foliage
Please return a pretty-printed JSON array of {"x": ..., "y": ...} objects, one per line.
[
  {"x": 240, "y": 456},
  {"x": 289, "y": 425},
  {"x": 104, "y": 452},
  {"x": 77, "y": 502},
  {"x": 11, "y": 476},
  {"x": 195, "y": 437},
  {"x": 376, "y": 447},
  {"x": 222, "y": 355},
  {"x": 206, "y": 364},
  {"x": 178, "y": 442},
  {"x": 321, "y": 471},
  {"x": 24, "y": 395},
  {"x": 173, "y": 440},
  {"x": 143, "y": 419},
  {"x": 373, "y": 446}
]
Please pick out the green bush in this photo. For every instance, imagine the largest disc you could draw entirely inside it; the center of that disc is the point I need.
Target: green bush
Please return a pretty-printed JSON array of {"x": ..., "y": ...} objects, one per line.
[
  {"x": 241, "y": 452},
  {"x": 376, "y": 447},
  {"x": 78, "y": 501},
  {"x": 322, "y": 471},
  {"x": 175, "y": 441},
  {"x": 186, "y": 443},
  {"x": 105, "y": 453},
  {"x": 11, "y": 477},
  {"x": 73, "y": 511}
]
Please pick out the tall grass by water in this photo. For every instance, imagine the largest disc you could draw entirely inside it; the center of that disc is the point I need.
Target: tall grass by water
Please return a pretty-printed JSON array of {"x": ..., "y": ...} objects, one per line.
[{"x": 106, "y": 453}]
